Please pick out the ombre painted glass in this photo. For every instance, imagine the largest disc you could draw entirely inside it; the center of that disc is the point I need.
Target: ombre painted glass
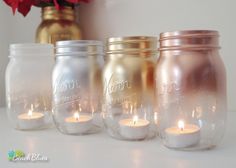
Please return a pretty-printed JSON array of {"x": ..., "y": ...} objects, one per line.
[
  {"x": 77, "y": 88},
  {"x": 191, "y": 90},
  {"x": 128, "y": 87}
]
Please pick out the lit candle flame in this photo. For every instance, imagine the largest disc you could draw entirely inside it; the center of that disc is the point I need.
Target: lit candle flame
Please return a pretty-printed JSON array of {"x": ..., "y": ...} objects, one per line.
[
  {"x": 76, "y": 116},
  {"x": 135, "y": 119},
  {"x": 181, "y": 125},
  {"x": 30, "y": 113}
]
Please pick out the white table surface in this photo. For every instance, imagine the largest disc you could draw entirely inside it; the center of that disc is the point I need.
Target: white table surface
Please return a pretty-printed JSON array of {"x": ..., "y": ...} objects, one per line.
[{"x": 101, "y": 151}]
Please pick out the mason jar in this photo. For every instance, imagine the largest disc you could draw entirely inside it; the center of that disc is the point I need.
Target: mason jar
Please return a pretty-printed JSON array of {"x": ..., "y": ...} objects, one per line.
[
  {"x": 77, "y": 87},
  {"x": 191, "y": 89},
  {"x": 128, "y": 87},
  {"x": 57, "y": 25},
  {"x": 28, "y": 86}
]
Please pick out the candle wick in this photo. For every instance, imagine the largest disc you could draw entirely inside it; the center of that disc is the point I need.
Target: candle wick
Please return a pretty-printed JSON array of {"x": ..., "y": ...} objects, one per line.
[
  {"x": 135, "y": 119},
  {"x": 181, "y": 129}
]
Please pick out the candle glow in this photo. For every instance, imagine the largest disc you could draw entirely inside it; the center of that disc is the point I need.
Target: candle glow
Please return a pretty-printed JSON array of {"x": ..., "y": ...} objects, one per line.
[
  {"x": 134, "y": 128},
  {"x": 31, "y": 119},
  {"x": 30, "y": 112},
  {"x": 76, "y": 115},
  {"x": 183, "y": 135},
  {"x": 181, "y": 125},
  {"x": 135, "y": 119},
  {"x": 78, "y": 123}
]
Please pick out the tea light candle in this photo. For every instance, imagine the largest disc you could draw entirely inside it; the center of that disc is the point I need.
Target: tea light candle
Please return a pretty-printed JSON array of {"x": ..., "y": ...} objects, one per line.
[
  {"x": 30, "y": 120},
  {"x": 134, "y": 129},
  {"x": 182, "y": 136},
  {"x": 78, "y": 124}
]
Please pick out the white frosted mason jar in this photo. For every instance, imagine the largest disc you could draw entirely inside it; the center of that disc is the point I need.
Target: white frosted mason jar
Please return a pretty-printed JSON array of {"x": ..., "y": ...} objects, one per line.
[{"x": 28, "y": 85}]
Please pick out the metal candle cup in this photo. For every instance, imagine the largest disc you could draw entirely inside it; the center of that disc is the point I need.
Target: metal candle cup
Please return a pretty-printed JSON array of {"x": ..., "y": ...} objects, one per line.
[
  {"x": 182, "y": 136},
  {"x": 134, "y": 128},
  {"x": 30, "y": 120},
  {"x": 78, "y": 124}
]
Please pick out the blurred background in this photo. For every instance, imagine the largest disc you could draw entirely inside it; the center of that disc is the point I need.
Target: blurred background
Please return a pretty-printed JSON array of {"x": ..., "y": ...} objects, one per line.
[{"x": 100, "y": 19}]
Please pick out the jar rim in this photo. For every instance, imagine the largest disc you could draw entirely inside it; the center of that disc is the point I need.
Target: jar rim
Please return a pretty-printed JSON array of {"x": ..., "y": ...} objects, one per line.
[
  {"x": 27, "y": 45},
  {"x": 128, "y": 39},
  {"x": 31, "y": 49},
  {"x": 78, "y": 43},
  {"x": 186, "y": 33},
  {"x": 79, "y": 48},
  {"x": 189, "y": 40},
  {"x": 136, "y": 45}
]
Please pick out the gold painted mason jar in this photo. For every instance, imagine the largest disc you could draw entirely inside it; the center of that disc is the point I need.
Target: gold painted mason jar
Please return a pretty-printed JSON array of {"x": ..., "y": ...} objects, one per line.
[
  {"x": 191, "y": 89},
  {"x": 128, "y": 87},
  {"x": 57, "y": 25}
]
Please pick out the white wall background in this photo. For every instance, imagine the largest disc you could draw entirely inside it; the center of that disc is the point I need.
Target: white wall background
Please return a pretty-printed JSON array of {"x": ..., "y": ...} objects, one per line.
[{"x": 104, "y": 18}]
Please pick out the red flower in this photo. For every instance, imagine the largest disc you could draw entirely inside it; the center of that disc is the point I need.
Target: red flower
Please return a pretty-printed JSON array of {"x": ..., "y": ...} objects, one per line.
[
  {"x": 56, "y": 4},
  {"x": 76, "y": 1},
  {"x": 24, "y": 6}
]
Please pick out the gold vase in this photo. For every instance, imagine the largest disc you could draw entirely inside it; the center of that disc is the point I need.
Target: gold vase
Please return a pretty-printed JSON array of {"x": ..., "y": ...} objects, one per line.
[{"x": 57, "y": 25}]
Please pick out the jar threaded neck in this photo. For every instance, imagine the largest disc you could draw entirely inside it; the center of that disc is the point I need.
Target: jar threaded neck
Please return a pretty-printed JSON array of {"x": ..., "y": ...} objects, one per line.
[
  {"x": 132, "y": 45},
  {"x": 189, "y": 40},
  {"x": 51, "y": 13},
  {"x": 79, "y": 48},
  {"x": 31, "y": 49}
]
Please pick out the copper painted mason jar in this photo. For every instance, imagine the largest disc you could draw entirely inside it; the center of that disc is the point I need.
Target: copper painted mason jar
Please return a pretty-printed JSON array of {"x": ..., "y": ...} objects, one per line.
[
  {"x": 58, "y": 25},
  {"x": 128, "y": 87},
  {"x": 191, "y": 89}
]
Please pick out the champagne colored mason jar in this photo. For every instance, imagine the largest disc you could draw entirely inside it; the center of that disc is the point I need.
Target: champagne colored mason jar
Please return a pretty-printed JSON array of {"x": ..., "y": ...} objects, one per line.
[
  {"x": 28, "y": 86},
  {"x": 77, "y": 88},
  {"x": 58, "y": 25},
  {"x": 128, "y": 87},
  {"x": 191, "y": 90}
]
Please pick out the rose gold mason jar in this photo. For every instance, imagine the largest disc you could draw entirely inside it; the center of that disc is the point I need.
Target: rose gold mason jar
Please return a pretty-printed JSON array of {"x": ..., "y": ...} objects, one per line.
[
  {"x": 129, "y": 87},
  {"x": 190, "y": 89}
]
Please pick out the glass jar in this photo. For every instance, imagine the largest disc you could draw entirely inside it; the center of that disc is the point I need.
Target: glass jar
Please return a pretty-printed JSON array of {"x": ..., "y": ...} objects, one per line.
[
  {"x": 77, "y": 88},
  {"x": 191, "y": 90},
  {"x": 28, "y": 85},
  {"x": 58, "y": 25},
  {"x": 128, "y": 87}
]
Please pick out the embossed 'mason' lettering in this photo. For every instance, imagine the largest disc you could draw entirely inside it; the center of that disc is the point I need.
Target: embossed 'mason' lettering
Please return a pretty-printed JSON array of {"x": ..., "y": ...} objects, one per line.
[
  {"x": 116, "y": 86},
  {"x": 65, "y": 86},
  {"x": 168, "y": 88}
]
